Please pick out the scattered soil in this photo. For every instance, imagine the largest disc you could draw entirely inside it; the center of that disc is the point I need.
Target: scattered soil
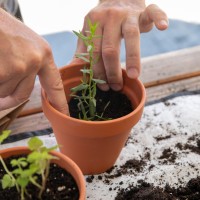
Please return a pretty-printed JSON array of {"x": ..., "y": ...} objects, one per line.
[
  {"x": 60, "y": 185},
  {"x": 143, "y": 190},
  {"x": 146, "y": 191},
  {"x": 119, "y": 105}
]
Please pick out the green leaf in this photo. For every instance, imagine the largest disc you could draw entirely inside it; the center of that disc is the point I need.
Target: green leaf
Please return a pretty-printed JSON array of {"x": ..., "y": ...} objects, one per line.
[
  {"x": 87, "y": 71},
  {"x": 80, "y": 35},
  {"x": 4, "y": 135},
  {"x": 35, "y": 143},
  {"x": 23, "y": 182},
  {"x": 34, "y": 156},
  {"x": 99, "y": 81},
  {"x": 7, "y": 181},
  {"x": 53, "y": 148},
  {"x": 17, "y": 171},
  {"x": 79, "y": 88},
  {"x": 14, "y": 162},
  {"x": 28, "y": 172},
  {"x": 83, "y": 58},
  {"x": 92, "y": 105},
  {"x": 82, "y": 54}
]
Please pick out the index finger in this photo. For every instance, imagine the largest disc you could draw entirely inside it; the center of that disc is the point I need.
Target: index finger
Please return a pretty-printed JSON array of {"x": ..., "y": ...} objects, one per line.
[
  {"x": 51, "y": 82},
  {"x": 131, "y": 35}
]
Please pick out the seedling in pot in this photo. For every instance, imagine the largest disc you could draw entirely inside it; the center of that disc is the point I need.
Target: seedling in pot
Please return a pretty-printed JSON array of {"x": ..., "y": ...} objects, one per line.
[
  {"x": 85, "y": 92},
  {"x": 27, "y": 169}
]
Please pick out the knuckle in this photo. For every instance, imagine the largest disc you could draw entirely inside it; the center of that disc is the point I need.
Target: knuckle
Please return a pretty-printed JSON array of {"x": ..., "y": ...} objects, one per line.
[
  {"x": 57, "y": 85},
  {"x": 35, "y": 59},
  {"x": 131, "y": 30},
  {"x": 47, "y": 50},
  {"x": 114, "y": 11},
  {"x": 133, "y": 56},
  {"x": 92, "y": 15},
  {"x": 20, "y": 98},
  {"x": 20, "y": 68},
  {"x": 109, "y": 52}
]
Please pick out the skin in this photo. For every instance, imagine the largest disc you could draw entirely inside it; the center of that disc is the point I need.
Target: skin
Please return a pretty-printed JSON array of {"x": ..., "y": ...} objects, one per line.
[
  {"x": 24, "y": 54},
  {"x": 119, "y": 19}
]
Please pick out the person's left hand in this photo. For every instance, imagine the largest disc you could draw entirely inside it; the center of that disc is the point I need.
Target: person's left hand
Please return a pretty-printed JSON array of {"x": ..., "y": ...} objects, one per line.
[{"x": 119, "y": 19}]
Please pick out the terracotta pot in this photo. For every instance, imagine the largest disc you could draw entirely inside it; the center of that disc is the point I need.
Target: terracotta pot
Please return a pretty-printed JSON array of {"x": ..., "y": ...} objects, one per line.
[
  {"x": 93, "y": 145},
  {"x": 63, "y": 161}
]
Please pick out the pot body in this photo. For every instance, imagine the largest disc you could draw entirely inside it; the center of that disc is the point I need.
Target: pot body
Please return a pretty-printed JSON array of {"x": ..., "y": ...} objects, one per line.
[
  {"x": 93, "y": 145},
  {"x": 63, "y": 161}
]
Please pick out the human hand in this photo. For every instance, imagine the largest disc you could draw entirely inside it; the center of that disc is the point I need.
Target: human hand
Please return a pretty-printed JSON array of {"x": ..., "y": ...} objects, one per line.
[
  {"x": 119, "y": 19},
  {"x": 23, "y": 55}
]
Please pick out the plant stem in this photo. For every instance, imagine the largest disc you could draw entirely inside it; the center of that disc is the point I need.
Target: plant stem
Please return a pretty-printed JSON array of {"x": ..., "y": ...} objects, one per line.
[{"x": 9, "y": 173}]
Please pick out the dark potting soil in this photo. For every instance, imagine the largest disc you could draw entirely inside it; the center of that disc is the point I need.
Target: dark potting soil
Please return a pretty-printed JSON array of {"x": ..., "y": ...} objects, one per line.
[
  {"x": 119, "y": 105},
  {"x": 60, "y": 185},
  {"x": 146, "y": 191}
]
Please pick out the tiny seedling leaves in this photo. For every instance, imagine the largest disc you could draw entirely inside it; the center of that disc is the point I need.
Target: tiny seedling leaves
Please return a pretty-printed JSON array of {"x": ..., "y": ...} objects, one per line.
[
  {"x": 80, "y": 87},
  {"x": 4, "y": 135},
  {"x": 99, "y": 81},
  {"x": 35, "y": 143},
  {"x": 87, "y": 71},
  {"x": 7, "y": 182}
]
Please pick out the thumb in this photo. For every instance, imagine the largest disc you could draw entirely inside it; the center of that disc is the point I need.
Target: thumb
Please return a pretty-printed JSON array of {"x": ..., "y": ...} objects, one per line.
[{"x": 153, "y": 15}]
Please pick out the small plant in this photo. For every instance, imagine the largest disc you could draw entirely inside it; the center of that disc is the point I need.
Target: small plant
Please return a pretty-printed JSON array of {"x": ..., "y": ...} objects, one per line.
[
  {"x": 27, "y": 169},
  {"x": 85, "y": 92},
  {"x": 4, "y": 135}
]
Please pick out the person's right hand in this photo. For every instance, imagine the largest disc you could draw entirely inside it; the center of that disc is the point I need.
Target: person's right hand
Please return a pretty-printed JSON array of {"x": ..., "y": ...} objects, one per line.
[{"x": 23, "y": 55}]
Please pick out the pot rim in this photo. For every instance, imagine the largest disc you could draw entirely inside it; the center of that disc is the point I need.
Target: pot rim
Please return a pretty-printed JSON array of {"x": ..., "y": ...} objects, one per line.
[{"x": 62, "y": 115}]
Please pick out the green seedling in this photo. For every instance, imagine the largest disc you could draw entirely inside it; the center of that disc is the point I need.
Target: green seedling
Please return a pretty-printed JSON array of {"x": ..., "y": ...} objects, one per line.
[
  {"x": 88, "y": 87},
  {"x": 4, "y": 135},
  {"x": 27, "y": 169}
]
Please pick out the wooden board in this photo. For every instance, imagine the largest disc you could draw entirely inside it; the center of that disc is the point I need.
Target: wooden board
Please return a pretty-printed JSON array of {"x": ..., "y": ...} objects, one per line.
[{"x": 162, "y": 75}]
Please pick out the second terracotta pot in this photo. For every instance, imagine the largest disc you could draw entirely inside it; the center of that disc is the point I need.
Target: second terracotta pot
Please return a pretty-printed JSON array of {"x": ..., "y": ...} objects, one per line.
[
  {"x": 93, "y": 145},
  {"x": 62, "y": 161}
]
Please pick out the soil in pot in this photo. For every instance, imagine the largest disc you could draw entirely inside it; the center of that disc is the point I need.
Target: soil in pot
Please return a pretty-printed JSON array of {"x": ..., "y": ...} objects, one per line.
[
  {"x": 60, "y": 185},
  {"x": 119, "y": 104}
]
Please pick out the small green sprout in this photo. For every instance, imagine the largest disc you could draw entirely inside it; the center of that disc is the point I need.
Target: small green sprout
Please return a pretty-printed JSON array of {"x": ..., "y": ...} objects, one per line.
[
  {"x": 4, "y": 135},
  {"x": 27, "y": 169},
  {"x": 88, "y": 86}
]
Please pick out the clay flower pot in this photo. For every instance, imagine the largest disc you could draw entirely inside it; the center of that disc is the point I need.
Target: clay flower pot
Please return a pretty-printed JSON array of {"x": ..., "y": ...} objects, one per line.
[
  {"x": 93, "y": 145},
  {"x": 63, "y": 161}
]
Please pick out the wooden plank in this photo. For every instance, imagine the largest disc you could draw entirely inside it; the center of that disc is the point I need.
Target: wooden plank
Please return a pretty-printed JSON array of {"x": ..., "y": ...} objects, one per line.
[
  {"x": 160, "y": 91},
  {"x": 29, "y": 123},
  {"x": 39, "y": 121},
  {"x": 172, "y": 66}
]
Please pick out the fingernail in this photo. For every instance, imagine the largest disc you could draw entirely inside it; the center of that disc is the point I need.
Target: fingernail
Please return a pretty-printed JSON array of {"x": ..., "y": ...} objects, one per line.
[
  {"x": 116, "y": 87},
  {"x": 132, "y": 73},
  {"x": 163, "y": 23}
]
